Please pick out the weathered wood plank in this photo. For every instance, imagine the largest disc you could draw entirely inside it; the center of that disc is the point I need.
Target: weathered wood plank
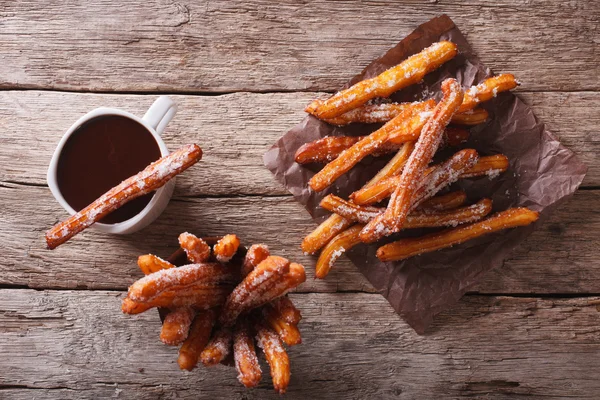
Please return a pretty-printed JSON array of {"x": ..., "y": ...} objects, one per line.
[
  {"x": 234, "y": 130},
  {"x": 560, "y": 257},
  {"x": 78, "y": 344},
  {"x": 260, "y": 46}
]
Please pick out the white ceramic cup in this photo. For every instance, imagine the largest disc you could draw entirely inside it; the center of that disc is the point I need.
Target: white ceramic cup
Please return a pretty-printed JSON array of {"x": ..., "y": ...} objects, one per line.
[{"x": 155, "y": 120}]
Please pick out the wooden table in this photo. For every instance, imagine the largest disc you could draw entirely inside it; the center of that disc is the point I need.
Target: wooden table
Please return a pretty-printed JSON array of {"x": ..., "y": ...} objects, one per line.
[{"x": 242, "y": 73}]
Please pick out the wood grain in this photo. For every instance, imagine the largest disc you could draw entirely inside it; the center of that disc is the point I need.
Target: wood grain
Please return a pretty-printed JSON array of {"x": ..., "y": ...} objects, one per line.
[
  {"x": 74, "y": 344},
  {"x": 261, "y": 46},
  {"x": 234, "y": 131},
  {"x": 558, "y": 258}
]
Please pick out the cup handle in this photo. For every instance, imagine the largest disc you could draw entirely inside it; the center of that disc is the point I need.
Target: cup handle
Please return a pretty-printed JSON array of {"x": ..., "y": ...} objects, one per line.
[{"x": 160, "y": 113}]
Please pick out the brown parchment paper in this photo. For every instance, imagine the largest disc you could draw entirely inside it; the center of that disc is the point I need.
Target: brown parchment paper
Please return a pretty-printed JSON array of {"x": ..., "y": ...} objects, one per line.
[{"x": 542, "y": 173}]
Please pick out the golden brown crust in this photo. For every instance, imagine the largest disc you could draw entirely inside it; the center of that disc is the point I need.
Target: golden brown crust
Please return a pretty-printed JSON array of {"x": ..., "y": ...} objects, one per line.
[
  {"x": 200, "y": 297},
  {"x": 276, "y": 356},
  {"x": 285, "y": 307},
  {"x": 226, "y": 248},
  {"x": 349, "y": 210},
  {"x": 369, "y": 114},
  {"x": 129, "y": 306},
  {"x": 288, "y": 333},
  {"x": 430, "y": 219},
  {"x": 217, "y": 348},
  {"x": 176, "y": 326},
  {"x": 253, "y": 287},
  {"x": 488, "y": 165},
  {"x": 244, "y": 354},
  {"x": 394, "y": 166},
  {"x": 410, "y": 71},
  {"x": 324, "y": 233},
  {"x": 444, "y": 202},
  {"x": 405, "y": 248},
  {"x": 256, "y": 254},
  {"x": 434, "y": 179},
  {"x": 366, "y": 146},
  {"x": 327, "y": 149},
  {"x": 426, "y": 146},
  {"x": 150, "y": 286},
  {"x": 151, "y": 178},
  {"x": 189, "y": 352},
  {"x": 475, "y": 116},
  {"x": 294, "y": 277},
  {"x": 149, "y": 263},
  {"x": 382, "y": 113},
  {"x": 335, "y": 248},
  {"x": 196, "y": 249},
  {"x": 487, "y": 90},
  {"x": 437, "y": 177}
]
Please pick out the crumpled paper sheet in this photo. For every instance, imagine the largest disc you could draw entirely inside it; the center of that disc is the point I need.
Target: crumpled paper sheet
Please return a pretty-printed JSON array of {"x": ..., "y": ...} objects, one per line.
[{"x": 542, "y": 173}]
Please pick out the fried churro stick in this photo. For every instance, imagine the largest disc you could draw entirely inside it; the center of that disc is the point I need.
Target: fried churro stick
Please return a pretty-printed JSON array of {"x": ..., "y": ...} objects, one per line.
[
  {"x": 244, "y": 355},
  {"x": 277, "y": 357},
  {"x": 217, "y": 348},
  {"x": 287, "y": 310},
  {"x": 176, "y": 325},
  {"x": 196, "y": 249},
  {"x": 364, "y": 214},
  {"x": 444, "y": 202},
  {"x": 475, "y": 116},
  {"x": 294, "y": 277},
  {"x": 349, "y": 210},
  {"x": 189, "y": 352},
  {"x": 381, "y": 113},
  {"x": 198, "y": 297},
  {"x": 435, "y": 179},
  {"x": 366, "y": 146},
  {"x": 335, "y": 248},
  {"x": 486, "y": 90},
  {"x": 369, "y": 114},
  {"x": 327, "y": 149},
  {"x": 153, "y": 177},
  {"x": 152, "y": 285},
  {"x": 405, "y": 248},
  {"x": 129, "y": 306},
  {"x": 256, "y": 254},
  {"x": 150, "y": 263},
  {"x": 408, "y": 72},
  {"x": 488, "y": 165},
  {"x": 425, "y": 148},
  {"x": 393, "y": 166},
  {"x": 288, "y": 333},
  {"x": 254, "y": 285},
  {"x": 324, "y": 233},
  {"x": 226, "y": 248}
]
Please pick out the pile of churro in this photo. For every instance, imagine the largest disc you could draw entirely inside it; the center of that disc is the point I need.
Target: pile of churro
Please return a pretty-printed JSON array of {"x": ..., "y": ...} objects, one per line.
[
  {"x": 408, "y": 192},
  {"x": 222, "y": 303}
]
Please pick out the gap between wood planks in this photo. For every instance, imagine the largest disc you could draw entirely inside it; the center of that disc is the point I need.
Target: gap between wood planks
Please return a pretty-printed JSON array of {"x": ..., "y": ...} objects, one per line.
[
  {"x": 210, "y": 93},
  {"x": 582, "y": 295}
]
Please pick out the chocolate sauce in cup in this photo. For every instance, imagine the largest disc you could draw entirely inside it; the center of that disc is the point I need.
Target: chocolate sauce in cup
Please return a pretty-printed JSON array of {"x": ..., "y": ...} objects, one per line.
[
  {"x": 99, "y": 155},
  {"x": 103, "y": 148}
]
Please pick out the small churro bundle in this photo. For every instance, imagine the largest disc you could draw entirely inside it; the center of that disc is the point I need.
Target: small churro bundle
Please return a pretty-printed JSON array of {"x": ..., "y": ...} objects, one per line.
[{"x": 212, "y": 308}]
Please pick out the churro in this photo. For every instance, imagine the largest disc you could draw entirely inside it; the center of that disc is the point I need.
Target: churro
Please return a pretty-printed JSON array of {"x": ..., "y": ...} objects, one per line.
[
  {"x": 153, "y": 177},
  {"x": 196, "y": 249},
  {"x": 408, "y": 72},
  {"x": 409, "y": 247}
]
